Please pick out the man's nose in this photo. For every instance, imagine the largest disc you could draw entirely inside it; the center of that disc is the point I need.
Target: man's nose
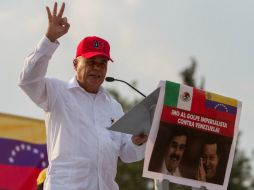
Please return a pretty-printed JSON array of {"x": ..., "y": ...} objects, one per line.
[
  {"x": 177, "y": 151},
  {"x": 96, "y": 65},
  {"x": 207, "y": 162}
]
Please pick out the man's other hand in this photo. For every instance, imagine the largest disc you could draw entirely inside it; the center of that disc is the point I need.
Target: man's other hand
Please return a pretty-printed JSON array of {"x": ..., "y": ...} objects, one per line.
[{"x": 139, "y": 139}]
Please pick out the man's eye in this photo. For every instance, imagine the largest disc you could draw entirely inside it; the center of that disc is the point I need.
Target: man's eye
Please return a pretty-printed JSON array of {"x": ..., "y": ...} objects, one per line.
[
  {"x": 173, "y": 144},
  {"x": 90, "y": 62},
  {"x": 104, "y": 62}
]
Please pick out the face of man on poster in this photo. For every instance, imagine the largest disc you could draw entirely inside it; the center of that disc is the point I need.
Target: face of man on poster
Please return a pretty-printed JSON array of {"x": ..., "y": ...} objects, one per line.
[
  {"x": 210, "y": 159},
  {"x": 209, "y": 162},
  {"x": 174, "y": 152}
]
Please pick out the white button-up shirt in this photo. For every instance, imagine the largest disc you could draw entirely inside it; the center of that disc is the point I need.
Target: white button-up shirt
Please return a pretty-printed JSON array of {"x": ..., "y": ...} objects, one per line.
[
  {"x": 164, "y": 185},
  {"x": 82, "y": 152}
]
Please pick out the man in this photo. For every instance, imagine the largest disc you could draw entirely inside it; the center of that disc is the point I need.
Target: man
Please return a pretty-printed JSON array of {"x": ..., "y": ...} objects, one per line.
[
  {"x": 172, "y": 157},
  {"x": 208, "y": 164},
  {"x": 82, "y": 152}
]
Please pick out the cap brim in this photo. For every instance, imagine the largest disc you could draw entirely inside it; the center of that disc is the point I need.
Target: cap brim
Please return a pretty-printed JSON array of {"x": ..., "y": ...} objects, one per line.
[{"x": 93, "y": 54}]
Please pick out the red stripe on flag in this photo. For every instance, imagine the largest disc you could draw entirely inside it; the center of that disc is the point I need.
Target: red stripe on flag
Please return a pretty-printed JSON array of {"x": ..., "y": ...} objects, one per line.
[
  {"x": 198, "y": 101},
  {"x": 18, "y": 178}
]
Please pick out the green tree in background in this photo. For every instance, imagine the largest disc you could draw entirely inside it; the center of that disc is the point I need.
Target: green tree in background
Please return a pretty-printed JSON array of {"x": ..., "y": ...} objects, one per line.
[
  {"x": 240, "y": 178},
  {"x": 188, "y": 75}
]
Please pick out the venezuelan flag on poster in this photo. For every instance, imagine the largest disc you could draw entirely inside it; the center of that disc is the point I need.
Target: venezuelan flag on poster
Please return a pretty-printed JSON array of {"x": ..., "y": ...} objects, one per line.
[
  {"x": 221, "y": 103},
  {"x": 23, "y": 152},
  {"x": 207, "y": 105}
]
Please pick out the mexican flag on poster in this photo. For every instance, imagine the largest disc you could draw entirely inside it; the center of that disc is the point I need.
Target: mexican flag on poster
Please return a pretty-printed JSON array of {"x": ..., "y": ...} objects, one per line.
[{"x": 193, "y": 137}]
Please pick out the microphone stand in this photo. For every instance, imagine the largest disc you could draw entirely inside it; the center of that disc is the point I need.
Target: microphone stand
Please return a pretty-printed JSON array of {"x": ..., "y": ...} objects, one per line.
[{"x": 111, "y": 79}]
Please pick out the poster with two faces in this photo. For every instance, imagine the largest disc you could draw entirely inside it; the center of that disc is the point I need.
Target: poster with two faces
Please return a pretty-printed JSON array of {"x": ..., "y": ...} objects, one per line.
[{"x": 192, "y": 138}]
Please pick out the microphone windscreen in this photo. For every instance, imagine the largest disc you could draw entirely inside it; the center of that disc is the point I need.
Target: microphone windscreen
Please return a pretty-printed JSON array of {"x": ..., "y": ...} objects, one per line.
[{"x": 109, "y": 79}]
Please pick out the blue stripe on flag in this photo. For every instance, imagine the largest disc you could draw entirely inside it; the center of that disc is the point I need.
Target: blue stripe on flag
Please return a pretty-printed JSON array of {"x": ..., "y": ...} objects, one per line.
[
  {"x": 221, "y": 107},
  {"x": 20, "y": 153}
]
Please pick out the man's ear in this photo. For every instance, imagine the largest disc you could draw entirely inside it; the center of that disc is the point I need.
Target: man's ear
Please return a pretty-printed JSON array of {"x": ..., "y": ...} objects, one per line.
[{"x": 75, "y": 63}]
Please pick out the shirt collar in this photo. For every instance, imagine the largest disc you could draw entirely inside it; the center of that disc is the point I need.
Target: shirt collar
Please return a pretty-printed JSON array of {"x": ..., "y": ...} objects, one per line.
[
  {"x": 176, "y": 173},
  {"x": 73, "y": 83}
]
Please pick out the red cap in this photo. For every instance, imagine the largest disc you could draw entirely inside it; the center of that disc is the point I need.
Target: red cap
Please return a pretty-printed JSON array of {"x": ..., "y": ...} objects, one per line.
[{"x": 92, "y": 46}]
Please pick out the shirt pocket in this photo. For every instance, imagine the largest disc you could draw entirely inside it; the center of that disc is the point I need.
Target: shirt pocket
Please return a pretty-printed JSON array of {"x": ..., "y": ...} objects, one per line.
[
  {"x": 110, "y": 143},
  {"x": 111, "y": 137}
]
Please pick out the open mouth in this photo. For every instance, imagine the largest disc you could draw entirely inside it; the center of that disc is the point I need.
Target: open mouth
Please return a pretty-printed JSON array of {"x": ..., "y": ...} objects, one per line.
[
  {"x": 208, "y": 170},
  {"x": 96, "y": 76},
  {"x": 174, "y": 158}
]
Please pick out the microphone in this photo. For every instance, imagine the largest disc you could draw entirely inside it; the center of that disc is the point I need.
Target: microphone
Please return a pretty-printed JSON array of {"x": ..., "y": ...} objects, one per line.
[{"x": 111, "y": 79}]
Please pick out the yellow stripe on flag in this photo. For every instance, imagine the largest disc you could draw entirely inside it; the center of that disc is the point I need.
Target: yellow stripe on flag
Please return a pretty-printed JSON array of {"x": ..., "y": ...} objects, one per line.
[
  {"x": 22, "y": 128},
  {"x": 221, "y": 99}
]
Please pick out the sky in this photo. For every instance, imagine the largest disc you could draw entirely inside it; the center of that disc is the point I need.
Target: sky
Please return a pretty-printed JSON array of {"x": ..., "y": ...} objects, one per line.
[{"x": 150, "y": 41}]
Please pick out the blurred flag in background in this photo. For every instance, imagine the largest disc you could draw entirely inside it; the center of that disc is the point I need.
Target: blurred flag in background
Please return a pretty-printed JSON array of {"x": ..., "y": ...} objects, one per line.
[{"x": 23, "y": 152}]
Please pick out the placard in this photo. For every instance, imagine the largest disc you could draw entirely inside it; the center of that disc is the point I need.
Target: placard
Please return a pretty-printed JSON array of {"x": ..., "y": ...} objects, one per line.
[{"x": 193, "y": 137}]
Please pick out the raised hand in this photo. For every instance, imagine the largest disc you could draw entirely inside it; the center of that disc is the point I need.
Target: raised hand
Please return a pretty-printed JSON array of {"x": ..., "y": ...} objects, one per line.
[
  {"x": 57, "y": 25},
  {"x": 201, "y": 174}
]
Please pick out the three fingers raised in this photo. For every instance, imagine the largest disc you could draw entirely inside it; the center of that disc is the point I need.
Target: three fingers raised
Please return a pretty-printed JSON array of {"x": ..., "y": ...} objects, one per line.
[{"x": 54, "y": 13}]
